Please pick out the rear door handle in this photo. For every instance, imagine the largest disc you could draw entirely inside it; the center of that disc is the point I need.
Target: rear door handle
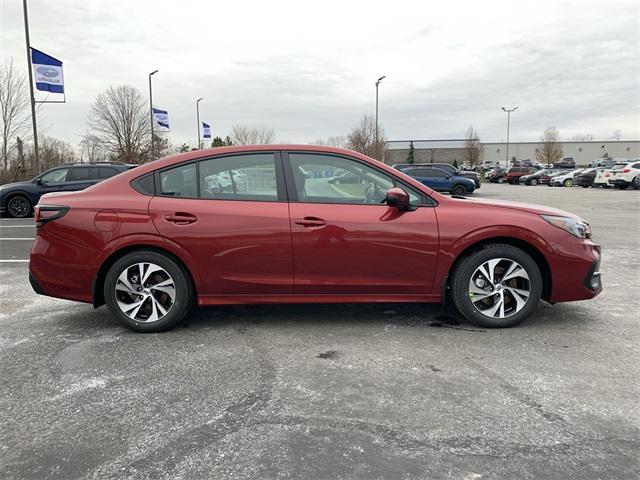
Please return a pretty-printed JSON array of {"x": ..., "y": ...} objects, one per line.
[
  {"x": 181, "y": 218},
  {"x": 310, "y": 222}
]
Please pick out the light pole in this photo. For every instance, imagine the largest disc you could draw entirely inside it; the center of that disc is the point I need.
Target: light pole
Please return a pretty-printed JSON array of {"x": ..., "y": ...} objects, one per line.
[
  {"x": 33, "y": 98},
  {"x": 377, "y": 85},
  {"x": 508, "y": 110},
  {"x": 198, "y": 115},
  {"x": 153, "y": 140}
]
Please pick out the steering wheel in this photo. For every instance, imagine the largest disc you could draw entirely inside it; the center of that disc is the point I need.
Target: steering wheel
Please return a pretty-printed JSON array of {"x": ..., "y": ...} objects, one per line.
[{"x": 373, "y": 194}]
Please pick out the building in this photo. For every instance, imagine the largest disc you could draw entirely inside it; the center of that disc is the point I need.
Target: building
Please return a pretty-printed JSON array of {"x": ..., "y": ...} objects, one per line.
[{"x": 446, "y": 151}]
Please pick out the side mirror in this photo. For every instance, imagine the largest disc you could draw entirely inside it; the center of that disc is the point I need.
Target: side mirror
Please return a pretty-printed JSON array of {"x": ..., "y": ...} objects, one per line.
[
  {"x": 40, "y": 182},
  {"x": 398, "y": 198}
]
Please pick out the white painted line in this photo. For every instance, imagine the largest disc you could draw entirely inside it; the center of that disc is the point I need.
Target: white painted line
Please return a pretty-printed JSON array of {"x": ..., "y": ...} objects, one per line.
[
  {"x": 14, "y": 261},
  {"x": 17, "y": 238},
  {"x": 17, "y": 226}
]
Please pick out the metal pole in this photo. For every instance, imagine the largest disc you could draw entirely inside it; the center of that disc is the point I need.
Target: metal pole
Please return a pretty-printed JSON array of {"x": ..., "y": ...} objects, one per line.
[
  {"x": 376, "y": 135},
  {"x": 508, "y": 110},
  {"x": 153, "y": 140},
  {"x": 33, "y": 98},
  {"x": 198, "y": 115}
]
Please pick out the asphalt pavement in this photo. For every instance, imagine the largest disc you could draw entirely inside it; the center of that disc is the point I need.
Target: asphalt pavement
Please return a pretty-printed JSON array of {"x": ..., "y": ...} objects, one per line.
[{"x": 329, "y": 391}]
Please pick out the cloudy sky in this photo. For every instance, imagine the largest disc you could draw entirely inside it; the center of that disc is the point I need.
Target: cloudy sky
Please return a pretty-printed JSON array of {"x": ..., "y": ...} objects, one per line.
[{"x": 307, "y": 69}]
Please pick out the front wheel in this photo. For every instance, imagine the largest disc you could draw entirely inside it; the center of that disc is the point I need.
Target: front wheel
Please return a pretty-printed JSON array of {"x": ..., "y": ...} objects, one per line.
[
  {"x": 496, "y": 287},
  {"x": 568, "y": 183},
  {"x": 19, "y": 206},
  {"x": 148, "y": 291},
  {"x": 533, "y": 182},
  {"x": 501, "y": 180},
  {"x": 458, "y": 189}
]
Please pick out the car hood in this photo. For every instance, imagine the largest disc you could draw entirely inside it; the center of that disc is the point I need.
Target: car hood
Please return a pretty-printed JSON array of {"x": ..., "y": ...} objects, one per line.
[
  {"x": 525, "y": 207},
  {"x": 15, "y": 185}
]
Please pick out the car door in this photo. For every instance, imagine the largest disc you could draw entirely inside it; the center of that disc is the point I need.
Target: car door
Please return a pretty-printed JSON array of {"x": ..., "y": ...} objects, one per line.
[
  {"x": 346, "y": 240},
  {"x": 235, "y": 231},
  {"x": 52, "y": 181}
]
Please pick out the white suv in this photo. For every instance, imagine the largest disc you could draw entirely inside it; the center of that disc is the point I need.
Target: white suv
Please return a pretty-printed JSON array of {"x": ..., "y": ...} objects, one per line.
[{"x": 626, "y": 176}]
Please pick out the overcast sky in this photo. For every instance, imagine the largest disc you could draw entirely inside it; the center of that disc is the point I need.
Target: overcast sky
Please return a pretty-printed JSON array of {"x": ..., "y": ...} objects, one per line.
[{"x": 307, "y": 69}]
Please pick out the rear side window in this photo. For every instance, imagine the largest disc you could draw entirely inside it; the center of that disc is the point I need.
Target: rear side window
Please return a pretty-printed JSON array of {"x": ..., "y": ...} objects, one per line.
[
  {"x": 179, "y": 181},
  {"x": 83, "y": 173},
  {"x": 239, "y": 177},
  {"x": 108, "y": 172},
  {"x": 145, "y": 184},
  {"x": 435, "y": 172}
]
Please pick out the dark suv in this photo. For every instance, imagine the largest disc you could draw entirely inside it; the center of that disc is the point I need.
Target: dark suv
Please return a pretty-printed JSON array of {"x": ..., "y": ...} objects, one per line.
[
  {"x": 18, "y": 199},
  {"x": 447, "y": 167}
]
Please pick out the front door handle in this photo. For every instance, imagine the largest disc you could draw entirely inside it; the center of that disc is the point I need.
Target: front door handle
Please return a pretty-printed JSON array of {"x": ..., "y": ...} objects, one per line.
[
  {"x": 181, "y": 218},
  {"x": 310, "y": 222}
]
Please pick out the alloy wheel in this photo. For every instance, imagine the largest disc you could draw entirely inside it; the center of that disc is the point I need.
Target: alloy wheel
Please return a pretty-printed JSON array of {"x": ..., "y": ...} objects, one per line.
[
  {"x": 18, "y": 207},
  {"x": 145, "y": 292},
  {"x": 499, "y": 288}
]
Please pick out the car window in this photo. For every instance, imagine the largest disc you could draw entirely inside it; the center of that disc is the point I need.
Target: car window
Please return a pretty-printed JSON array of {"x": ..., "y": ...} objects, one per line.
[
  {"x": 317, "y": 181},
  {"x": 55, "y": 176},
  {"x": 108, "y": 172},
  {"x": 239, "y": 177},
  {"x": 83, "y": 173},
  {"x": 436, "y": 173},
  {"x": 179, "y": 181}
]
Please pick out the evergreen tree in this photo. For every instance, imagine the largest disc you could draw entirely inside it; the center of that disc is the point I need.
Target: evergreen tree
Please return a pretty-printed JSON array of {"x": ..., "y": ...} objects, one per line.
[
  {"x": 412, "y": 153},
  {"x": 455, "y": 163}
]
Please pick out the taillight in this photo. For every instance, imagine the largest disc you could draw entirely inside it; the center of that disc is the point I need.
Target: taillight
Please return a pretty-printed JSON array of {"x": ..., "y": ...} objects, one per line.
[
  {"x": 626, "y": 170},
  {"x": 47, "y": 213}
]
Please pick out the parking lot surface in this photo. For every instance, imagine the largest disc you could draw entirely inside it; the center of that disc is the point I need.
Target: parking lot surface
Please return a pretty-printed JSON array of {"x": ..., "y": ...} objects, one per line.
[{"x": 335, "y": 391}]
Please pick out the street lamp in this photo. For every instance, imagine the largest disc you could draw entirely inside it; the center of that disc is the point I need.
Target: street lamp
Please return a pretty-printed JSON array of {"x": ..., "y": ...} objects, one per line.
[
  {"x": 153, "y": 140},
  {"x": 377, "y": 84},
  {"x": 198, "y": 116},
  {"x": 508, "y": 110}
]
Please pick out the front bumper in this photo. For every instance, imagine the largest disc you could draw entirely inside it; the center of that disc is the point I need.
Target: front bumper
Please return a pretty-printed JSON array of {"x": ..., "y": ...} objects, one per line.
[{"x": 575, "y": 270}]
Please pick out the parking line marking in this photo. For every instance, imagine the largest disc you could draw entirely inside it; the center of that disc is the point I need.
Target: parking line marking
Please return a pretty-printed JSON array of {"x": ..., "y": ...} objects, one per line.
[
  {"x": 17, "y": 226},
  {"x": 17, "y": 238},
  {"x": 13, "y": 261}
]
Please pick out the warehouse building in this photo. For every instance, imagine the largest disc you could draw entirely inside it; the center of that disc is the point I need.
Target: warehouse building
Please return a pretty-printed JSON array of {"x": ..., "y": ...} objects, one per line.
[{"x": 448, "y": 151}]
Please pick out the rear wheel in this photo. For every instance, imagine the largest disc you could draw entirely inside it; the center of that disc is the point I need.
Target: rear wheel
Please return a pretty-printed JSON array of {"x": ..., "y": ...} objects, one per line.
[
  {"x": 19, "y": 206},
  {"x": 501, "y": 180},
  {"x": 148, "y": 291},
  {"x": 498, "y": 286},
  {"x": 459, "y": 189},
  {"x": 636, "y": 183},
  {"x": 568, "y": 183},
  {"x": 533, "y": 182}
]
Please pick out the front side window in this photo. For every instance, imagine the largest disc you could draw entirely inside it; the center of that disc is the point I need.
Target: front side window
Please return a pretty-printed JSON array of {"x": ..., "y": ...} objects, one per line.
[
  {"x": 179, "y": 181},
  {"x": 322, "y": 178},
  {"x": 239, "y": 177},
  {"x": 55, "y": 176}
]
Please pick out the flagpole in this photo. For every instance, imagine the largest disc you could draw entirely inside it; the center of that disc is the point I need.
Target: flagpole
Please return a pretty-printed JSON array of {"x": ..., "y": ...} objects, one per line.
[
  {"x": 153, "y": 140},
  {"x": 33, "y": 98},
  {"x": 198, "y": 118}
]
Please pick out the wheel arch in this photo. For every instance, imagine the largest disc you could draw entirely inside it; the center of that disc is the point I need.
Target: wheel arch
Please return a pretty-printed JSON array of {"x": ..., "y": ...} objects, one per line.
[
  {"x": 97, "y": 287},
  {"x": 524, "y": 245}
]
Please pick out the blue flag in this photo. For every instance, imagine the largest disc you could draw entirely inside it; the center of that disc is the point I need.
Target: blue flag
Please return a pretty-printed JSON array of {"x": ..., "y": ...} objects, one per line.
[
  {"x": 206, "y": 130},
  {"x": 161, "y": 117},
  {"x": 47, "y": 71}
]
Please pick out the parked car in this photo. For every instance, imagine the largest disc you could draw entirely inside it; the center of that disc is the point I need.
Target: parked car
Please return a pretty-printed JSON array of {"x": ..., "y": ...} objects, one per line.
[
  {"x": 514, "y": 174},
  {"x": 534, "y": 178},
  {"x": 441, "y": 181},
  {"x": 564, "y": 179},
  {"x": 152, "y": 255},
  {"x": 607, "y": 162},
  {"x": 546, "y": 177},
  {"x": 604, "y": 176},
  {"x": 499, "y": 175},
  {"x": 567, "y": 162},
  {"x": 626, "y": 176},
  {"x": 586, "y": 177},
  {"x": 450, "y": 169},
  {"x": 18, "y": 199}
]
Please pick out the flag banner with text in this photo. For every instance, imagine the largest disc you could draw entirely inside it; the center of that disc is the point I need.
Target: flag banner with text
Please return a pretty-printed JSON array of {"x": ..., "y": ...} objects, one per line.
[
  {"x": 47, "y": 71},
  {"x": 206, "y": 130},
  {"x": 161, "y": 117}
]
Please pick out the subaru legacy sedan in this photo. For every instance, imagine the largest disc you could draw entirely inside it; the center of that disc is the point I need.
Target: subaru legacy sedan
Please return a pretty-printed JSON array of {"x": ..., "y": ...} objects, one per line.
[{"x": 153, "y": 242}]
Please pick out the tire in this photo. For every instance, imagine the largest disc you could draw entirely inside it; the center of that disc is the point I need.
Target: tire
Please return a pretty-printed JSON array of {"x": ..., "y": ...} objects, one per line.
[
  {"x": 585, "y": 186},
  {"x": 500, "y": 180},
  {"x": 636, "y": 183},
  {"x": 514, "y": 311},
  {"x": 168, "y": 272},
  {"x": 533, "y": 182},
  {"x": 19, "y": 206},
  {"x": 568, "y": 183},
  {"x": 458, "y": 189}
]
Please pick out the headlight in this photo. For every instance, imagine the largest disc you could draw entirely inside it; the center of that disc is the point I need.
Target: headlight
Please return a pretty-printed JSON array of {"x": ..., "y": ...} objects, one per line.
[{"x": 577, "y": 228}]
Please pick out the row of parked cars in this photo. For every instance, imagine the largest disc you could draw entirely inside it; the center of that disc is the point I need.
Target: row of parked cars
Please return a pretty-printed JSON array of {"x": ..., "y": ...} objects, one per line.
[
  {"x": 442, "y": 177},
  {"x": 622, "y": 174}
]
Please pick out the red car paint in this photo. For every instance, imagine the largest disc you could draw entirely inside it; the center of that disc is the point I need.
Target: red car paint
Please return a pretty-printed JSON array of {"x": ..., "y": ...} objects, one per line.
[{"x": 248, "y": 252}]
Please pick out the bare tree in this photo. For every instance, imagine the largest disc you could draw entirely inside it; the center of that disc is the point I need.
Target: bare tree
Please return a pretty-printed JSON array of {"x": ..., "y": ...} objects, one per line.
[
  {"x": 338, "y": 141},
  {"x": 91, "y": 148},
  {"x": 582, "y": 137},
  {"x": 473, "y": 149},
  {"x": 617, "y": 135},
  {"x": 248, "y": 135},
  {"x": 14, "y": 109},
  {"x": 549, "y": 151},
  {"x": 119, "y": 118},
  {"x": 362, "y": 138},
  {"x": 53, "y": 151}
]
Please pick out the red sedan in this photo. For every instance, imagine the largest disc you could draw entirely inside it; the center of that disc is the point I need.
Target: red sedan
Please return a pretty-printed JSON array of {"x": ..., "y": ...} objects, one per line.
[{"x": 263, "y": 224}]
